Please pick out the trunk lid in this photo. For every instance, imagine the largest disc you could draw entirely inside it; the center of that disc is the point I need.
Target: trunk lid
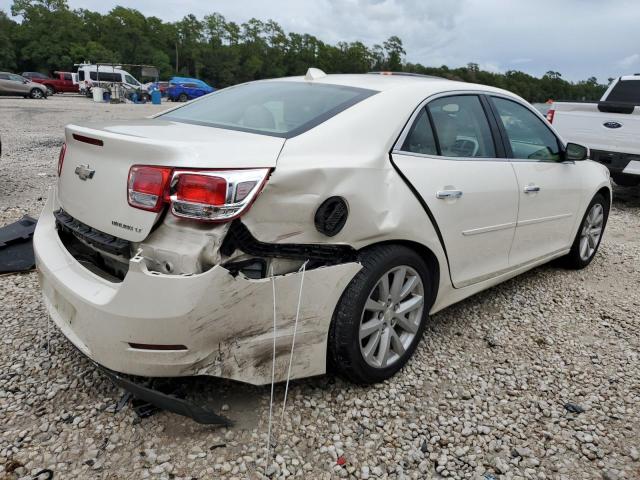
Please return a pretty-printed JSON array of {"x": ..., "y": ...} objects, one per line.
[{"x": 101, "y": 200}]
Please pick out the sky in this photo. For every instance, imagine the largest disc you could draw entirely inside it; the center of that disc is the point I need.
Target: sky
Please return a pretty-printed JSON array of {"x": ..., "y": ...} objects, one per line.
[{"x": 578, "y": 38}]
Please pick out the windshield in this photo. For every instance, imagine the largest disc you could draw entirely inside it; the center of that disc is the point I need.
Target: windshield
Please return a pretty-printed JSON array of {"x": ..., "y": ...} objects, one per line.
[{"x": 281, "y": 109}]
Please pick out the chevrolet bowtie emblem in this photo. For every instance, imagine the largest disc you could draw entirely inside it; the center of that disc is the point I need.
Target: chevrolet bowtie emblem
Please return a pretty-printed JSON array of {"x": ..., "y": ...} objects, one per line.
[{"x": 84, "y": 172}]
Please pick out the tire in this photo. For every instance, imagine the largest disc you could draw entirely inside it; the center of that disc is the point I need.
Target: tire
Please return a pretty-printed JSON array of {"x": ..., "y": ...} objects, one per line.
[
  {"x": 50, "y": 90},
  {"x": 580, "y": 256},
  {"x": 36, "y": 93},
  {"x": 145, "y": 97},
  {"x": 346, "y": 349},
  {"x": 183, "y": 97},
  {"x": 626, "y": 180}
]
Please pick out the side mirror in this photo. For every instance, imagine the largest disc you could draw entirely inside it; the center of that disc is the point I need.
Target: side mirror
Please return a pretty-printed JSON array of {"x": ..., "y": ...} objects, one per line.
[
  {"x": 575, "y": 152},
  {"x": 25, "y": 81}
]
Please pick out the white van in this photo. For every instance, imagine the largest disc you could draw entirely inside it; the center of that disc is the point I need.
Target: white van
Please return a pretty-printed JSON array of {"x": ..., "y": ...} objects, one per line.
[{"x": 89, "y": 75}]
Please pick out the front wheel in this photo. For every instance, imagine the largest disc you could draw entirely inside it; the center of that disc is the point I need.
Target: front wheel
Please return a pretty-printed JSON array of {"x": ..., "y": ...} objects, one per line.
[
  {"x": 589, "y": 235},
  {"x": 36, "y": 93},
  {"x": 183, "y": 97},
  {"x": 380, "y": 317}
]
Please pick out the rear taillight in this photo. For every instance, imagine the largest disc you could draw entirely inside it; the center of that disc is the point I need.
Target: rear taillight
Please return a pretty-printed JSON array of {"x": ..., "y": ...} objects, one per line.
[
  {"x": 215, "y": 196},
  {"x": 550, "y": 115},
  {"x": 147, "y": 186},
  {"x": 63, "y": 151},
  {"x": 207, "y": 195}
]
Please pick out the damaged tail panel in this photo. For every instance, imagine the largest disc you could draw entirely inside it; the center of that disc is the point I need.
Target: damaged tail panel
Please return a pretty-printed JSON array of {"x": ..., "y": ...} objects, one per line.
[{"x": 223, "y": 322}]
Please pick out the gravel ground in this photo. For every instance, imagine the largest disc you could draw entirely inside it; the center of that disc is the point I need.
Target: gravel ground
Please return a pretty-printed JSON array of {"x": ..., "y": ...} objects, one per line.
[{"x": 487, "y": 394}]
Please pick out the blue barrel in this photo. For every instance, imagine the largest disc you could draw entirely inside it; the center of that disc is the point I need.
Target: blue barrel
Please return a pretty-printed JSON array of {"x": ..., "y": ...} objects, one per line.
[{"x": 156, "y": 97}]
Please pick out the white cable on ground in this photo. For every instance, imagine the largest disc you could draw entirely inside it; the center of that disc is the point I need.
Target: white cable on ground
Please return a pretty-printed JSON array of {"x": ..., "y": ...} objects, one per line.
[
  {"x": 273, "y": 368},
  {"x": 49, "y": 335},
  {"x": 293, "y": 341}
]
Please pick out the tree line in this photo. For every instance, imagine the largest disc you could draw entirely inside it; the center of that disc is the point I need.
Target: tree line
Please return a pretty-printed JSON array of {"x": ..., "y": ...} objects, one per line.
[{"x": 51, "y": 36}]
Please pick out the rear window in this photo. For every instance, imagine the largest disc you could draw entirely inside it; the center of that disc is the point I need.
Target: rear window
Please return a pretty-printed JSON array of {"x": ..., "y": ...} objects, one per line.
[
  {"x": 280, "y": 109},
  {"x": 625, "y": 91}
]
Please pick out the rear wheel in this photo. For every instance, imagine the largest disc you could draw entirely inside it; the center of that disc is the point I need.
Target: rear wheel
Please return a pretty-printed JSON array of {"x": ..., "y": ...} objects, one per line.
[
  {"x": 50, "y": 90},
  {"x": 589, "y": 235},
  {"x": 380, "y": 317},
  {"x": 183, "y": 97},
  {"x": 36, "y": 93}
]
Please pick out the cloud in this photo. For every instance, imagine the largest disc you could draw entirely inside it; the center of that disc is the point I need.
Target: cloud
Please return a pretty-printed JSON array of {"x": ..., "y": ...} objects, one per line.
[
  {"x": 629, "y": 61},
  {"x": 519, "y": 61},
  {"x": 569, "y": 36}
]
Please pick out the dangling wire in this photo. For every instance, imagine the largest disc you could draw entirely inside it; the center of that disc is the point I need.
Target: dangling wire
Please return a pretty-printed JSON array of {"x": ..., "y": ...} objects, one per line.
[
  {"x": 273, "y": 367},
  {"x": 293, "y": 341}
]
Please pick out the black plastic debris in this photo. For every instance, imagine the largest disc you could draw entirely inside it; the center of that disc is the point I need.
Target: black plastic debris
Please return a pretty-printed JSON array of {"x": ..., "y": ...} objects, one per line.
[
  {"x": 147, "y": 401},
  {"x": 573, "y": 407},
  {"x": 16, "y": 246}
]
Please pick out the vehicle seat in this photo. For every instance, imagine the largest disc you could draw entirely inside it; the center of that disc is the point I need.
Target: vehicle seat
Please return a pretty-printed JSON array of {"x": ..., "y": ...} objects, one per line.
[
  {"x": 447, "y": 130},
  {"x": 259, "y": 117}
]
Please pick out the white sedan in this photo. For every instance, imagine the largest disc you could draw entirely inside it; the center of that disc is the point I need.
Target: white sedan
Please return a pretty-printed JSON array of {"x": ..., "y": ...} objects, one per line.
[{"x": 316, "y": 219}]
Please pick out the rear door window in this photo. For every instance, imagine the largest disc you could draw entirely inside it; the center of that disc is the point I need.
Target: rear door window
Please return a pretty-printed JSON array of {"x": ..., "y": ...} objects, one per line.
[
  {"x": 627, "y": 91},
  {"x": 529, "y": 137},
  {"x": 461, "y": 127},
  {"x": 420, "y": 138}
]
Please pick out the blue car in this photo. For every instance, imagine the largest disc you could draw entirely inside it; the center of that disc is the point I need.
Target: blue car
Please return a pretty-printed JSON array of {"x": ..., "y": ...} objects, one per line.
[{"x": 182, "y": 89}]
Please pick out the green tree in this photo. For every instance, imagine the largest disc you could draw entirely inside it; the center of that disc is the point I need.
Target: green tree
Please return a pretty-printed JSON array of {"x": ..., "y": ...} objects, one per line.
[{"x": 7, "y": 47}]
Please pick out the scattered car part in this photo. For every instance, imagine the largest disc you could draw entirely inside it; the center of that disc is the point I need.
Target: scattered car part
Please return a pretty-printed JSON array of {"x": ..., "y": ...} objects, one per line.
[
  {"x": 16, "y": 247},
  {"x": 573, "y": 408},
  {"x": 164, "y": 401}
]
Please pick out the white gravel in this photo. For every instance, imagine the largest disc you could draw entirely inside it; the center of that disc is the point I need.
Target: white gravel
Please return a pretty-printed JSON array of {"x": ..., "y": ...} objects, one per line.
[{"x": 484, "y": 397}]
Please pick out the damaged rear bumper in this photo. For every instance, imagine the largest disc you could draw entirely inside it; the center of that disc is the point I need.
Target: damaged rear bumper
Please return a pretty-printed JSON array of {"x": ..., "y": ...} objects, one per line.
[{"x": 210, "y": 323}]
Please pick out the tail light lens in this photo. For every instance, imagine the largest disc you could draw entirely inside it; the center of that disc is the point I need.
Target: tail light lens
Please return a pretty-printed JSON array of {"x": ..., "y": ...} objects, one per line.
[
  {"x": 63, "y": 151},
  {"x": 216, "y": 196},
  {"x": 207, "y": 195},
  {"x": 550, "y": 115},
  {"x": 147, "y": 187}
]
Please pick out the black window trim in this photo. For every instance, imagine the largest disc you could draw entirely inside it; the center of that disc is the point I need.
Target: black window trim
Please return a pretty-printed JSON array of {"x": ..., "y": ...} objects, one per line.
[
  {"x": 503, "y": 133},
  {"x": 499, "y": 148}
]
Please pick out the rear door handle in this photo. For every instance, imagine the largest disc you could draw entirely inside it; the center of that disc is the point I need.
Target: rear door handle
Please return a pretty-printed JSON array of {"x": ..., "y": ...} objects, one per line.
[
  {"x": 531, "y": 189},
  {"x": 444, "y": 194}
]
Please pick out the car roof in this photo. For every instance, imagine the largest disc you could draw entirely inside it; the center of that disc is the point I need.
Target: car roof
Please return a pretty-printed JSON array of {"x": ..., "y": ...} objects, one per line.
[{"x": 423, "y": 85}]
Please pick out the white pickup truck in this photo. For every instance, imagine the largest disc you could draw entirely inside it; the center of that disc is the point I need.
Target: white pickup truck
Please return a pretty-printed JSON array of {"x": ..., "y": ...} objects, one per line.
[{"x": 610, "y": 128}]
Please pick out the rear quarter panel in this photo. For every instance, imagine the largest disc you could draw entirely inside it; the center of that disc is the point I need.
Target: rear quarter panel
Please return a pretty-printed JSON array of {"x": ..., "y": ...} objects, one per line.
[{"x": 347, "y": 156}]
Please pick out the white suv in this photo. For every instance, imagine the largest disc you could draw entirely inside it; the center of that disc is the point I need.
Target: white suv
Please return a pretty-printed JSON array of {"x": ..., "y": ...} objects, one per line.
[{"x": 347, "y": 206}]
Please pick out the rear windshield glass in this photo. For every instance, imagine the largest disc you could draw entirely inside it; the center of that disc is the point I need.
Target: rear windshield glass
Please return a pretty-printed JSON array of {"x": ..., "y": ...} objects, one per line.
[
  {"x": 280, "y": 109},
  {"x": 626, "y": 91}
]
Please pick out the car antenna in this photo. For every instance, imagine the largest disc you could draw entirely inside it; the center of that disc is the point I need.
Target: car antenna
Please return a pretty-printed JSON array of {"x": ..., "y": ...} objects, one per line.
[{"x": 314, "y": 74}]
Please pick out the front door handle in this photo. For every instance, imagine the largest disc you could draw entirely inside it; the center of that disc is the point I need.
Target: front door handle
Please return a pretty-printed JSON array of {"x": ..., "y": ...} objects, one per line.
[
  {"x": 531, "y": 189},
  {"x": 445, "y": 194}
]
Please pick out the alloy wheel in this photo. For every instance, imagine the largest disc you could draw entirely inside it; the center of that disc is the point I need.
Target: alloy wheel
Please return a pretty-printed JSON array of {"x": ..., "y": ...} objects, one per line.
[
  {"x": 591, "y": 231},
  {"x": 36, "y": 93},
  {"x": 391, "y": 316}
]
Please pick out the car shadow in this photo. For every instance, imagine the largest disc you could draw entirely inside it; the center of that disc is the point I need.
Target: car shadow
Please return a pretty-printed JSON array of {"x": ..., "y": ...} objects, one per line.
[{"x": 626, "y": 198}]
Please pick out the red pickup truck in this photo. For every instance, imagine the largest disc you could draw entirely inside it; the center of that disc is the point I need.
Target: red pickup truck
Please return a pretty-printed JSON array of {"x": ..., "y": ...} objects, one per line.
[{"x": 60, "y": 82}]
